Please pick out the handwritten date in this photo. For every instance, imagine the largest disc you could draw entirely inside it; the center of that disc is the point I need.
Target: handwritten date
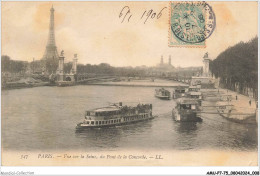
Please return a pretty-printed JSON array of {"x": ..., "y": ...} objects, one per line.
[{"x": 126, "y": 14}]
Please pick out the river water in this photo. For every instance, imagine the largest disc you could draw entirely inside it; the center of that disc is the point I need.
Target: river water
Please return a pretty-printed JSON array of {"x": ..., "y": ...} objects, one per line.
[{"x": 44, "y": 119}]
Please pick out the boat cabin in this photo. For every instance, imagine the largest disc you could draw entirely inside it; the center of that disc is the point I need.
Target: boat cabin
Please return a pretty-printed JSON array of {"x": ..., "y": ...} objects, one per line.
[
  {"x": 115, "y": 115},
  {"x": 194, "y": 88},
  {"x": 187, "y": 110},
  {"x": 115, "y": 111},
  {"x": 162, "y": 93},
  {"x": 195, "y": 95},
  {"x": 179, "y": 92},
  {"x": 188, "y": 104},
  {"x": 106, "y": 111}
]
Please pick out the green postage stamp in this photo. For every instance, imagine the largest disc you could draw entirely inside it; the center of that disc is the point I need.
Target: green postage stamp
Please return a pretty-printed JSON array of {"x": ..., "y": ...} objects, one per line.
[{"x": 191, "y": 23}]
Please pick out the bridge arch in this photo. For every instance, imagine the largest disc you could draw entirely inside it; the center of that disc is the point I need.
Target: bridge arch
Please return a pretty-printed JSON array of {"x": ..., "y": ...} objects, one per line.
[{"x": 68, "y": 78}]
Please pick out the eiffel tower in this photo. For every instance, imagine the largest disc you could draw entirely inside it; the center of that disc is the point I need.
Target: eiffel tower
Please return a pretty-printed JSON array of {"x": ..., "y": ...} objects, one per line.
[{"x": 51, "y": 57}]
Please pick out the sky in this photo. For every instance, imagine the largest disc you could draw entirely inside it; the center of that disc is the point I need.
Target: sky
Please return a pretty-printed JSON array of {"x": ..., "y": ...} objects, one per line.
[{"x": 94, "y": 31}]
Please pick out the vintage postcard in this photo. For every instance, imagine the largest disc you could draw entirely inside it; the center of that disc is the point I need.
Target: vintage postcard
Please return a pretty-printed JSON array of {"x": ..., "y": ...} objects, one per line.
[{"x": 129, "y": 83}]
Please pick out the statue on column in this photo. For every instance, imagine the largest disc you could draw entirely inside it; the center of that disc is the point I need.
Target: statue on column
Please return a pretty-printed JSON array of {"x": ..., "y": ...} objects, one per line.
[
  {"x": 62, "y": 53},
  {"x": 206, "y": 55}
]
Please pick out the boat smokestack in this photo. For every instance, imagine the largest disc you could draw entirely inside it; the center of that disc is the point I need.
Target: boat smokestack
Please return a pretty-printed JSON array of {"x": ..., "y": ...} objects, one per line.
[{"x": 120, "y": 104}]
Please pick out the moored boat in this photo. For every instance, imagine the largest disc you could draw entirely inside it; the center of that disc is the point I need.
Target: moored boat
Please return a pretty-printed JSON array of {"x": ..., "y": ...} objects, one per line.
[
  {"x": 229, "y": 112},
  {"x": 115, "y": 115},
  {"x": 187, "y": 110},
  {"x": 224, "y": 108},
  {"x": 179, "y": 92},
  {"x": 162, "y": 94}
]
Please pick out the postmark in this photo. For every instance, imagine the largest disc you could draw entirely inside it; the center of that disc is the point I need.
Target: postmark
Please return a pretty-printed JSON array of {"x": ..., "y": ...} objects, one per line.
[{"x": 191, "y": 23}]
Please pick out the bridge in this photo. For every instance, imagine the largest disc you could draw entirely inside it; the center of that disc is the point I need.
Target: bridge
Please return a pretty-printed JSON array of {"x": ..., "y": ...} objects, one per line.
[
  {"x": 86, "y": 78},
  {"x": 183, "y": 79}
]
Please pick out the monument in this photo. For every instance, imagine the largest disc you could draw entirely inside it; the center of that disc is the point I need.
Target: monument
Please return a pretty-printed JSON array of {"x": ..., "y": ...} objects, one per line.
[
  {"x": 51, "y": 57},
  {"x": 204, "y": 80},
  {"x": 206, "y": 61},
  {"x": 66, "y": 79}
]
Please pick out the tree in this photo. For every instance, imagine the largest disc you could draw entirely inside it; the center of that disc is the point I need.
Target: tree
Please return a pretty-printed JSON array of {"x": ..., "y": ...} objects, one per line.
[
  {"x": 5, "y": 63},
  {"x": 237, "y": 66}
]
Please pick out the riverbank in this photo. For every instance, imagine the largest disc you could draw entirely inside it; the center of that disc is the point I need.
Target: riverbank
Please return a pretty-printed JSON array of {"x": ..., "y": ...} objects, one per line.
[
  {"x": 241, "y": 101},
  {"x": 24, "y": 83},
  {"x": 15, "y": 85},
  {"x": 243, "y": 108}
]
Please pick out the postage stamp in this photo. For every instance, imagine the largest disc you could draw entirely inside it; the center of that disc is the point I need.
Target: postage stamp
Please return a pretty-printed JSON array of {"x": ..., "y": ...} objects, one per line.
[{"x": 191, "y": 23}]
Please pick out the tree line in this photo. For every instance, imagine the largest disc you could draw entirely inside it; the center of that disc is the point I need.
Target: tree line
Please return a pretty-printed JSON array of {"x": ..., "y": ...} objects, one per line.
[
  {"x": 105, "y": 69},
  {"x": 12, "y": 66},
  {"x": 237, "y": 67},
  {"x": 36, "y": 67},
  {"x": 20, "y": 67}
]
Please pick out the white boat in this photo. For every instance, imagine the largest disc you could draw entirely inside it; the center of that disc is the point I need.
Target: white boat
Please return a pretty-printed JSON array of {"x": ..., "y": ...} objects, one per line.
[
  {"x": 115, "y": 115},
  {"x": 187, "y": 110},
  {"x": 163, "y": 94},
  {"x": 179, "y": 92}
]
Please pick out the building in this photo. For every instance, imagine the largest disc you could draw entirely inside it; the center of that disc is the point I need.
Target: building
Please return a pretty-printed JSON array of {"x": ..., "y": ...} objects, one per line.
[
  {"x": 161, "y": 69},
  {"x": 165, "y": 67}
]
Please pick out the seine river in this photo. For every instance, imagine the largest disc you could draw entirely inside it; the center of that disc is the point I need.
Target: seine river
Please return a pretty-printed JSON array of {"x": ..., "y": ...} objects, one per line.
[{"x": 44, "y": 118}]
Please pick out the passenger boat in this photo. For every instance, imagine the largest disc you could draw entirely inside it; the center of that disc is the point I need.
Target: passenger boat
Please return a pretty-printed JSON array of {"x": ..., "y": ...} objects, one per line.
[
  {"x": 163, "y": 94},
  {"x": 115, "y": 115},
  {"x": 179, "y": 92},
  {"x": 187, "y": 110}
]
